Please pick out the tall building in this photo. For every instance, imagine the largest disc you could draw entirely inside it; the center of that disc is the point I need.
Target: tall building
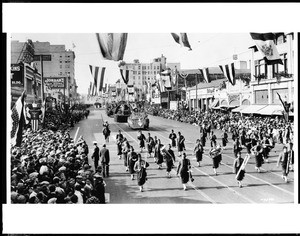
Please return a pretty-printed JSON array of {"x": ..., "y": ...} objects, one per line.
[
  {"x": 146, "y": 72},
  {"x": 60, "y": 65}
]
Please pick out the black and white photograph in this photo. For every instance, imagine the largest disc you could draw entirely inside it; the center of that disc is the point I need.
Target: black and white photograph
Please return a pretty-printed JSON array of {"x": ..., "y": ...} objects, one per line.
[{"x": 120, "y": 118}]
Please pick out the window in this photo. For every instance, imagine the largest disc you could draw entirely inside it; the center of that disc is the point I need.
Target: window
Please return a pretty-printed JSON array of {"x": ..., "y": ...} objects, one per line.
[
  {"x": 261, "y": 68},
  {"x": 281, "y": 39},
  {"x": 277, "y": 68},
  {"x": 133, "y": 77}
]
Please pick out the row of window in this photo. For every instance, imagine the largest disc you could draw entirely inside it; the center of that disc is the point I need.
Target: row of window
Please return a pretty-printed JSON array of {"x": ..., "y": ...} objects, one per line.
[{"x": 261, "y": 68}]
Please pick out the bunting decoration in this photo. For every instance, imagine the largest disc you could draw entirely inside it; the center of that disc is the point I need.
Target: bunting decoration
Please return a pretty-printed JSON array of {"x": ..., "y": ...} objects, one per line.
[
  {"x": 266, "y": 45},
  {"x": 183, "y": 75},
  {"x": 229, "y": 72},
  {"x": 126, "y": 77},
  {"x": 205, "y": 74},
  {"x": 17, "y": 119},
  {"x": 98, "y": 75},
  {"x": 112, "y": 45},
  {"x": 182, "y": 39}
]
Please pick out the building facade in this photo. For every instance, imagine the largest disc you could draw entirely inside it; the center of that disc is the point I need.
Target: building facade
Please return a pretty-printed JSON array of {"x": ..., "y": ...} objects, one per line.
[{"x": 268, "y": 80}]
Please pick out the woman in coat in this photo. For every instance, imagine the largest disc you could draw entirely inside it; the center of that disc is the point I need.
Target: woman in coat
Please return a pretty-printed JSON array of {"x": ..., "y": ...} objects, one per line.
[
  {"x": 183, "y": 170},
  {"x": 140, "y": 168},
  {"x": 237, "y": 164},
  {"x": 258, "y": 153},
  {"x": 198, "y": 150},
  {"x": 141, "y": 137},
  {"x": 158, "y": 154},
  {"x": 131, "y": 160},
  {"x": 150, "y": 144},
  {"x": 216, "y": 155},
  {"x": 180, "y": 143},
  {"x": 125, "y": 150},
  {"x": 284, "y": 159},
  {"x": 169, "y": 157}
]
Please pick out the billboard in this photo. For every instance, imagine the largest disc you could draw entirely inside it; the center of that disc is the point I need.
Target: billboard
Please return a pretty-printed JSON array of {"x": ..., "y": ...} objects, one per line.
[
  {"x": 17, "y": 75},
  {"x": 54, "y": 83}
]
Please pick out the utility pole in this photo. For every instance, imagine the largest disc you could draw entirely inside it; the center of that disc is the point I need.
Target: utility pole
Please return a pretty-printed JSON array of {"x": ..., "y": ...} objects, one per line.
[{"x": 196, "y": 107}]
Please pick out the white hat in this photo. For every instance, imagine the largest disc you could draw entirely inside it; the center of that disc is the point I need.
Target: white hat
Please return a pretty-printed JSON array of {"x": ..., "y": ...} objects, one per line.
[{"x": 94, "y": 142}]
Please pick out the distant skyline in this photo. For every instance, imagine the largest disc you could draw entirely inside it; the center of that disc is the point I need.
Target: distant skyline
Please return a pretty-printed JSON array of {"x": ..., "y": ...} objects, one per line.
[{"x": 208, "y": 50}]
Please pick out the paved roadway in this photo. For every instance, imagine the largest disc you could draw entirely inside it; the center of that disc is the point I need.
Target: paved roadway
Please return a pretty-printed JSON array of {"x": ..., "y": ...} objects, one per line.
[{"x": 264, "y": 187}]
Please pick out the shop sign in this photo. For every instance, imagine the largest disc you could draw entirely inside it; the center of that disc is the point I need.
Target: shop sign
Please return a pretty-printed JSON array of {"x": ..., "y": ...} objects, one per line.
[
  {"x": 17, "y": 75},
  {"x": 55, "y": 82}
]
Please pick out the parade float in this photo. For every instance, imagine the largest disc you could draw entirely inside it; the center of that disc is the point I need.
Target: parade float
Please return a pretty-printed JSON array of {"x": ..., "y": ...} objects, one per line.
[
  {"x": 122, "y": 112},
  {"x": 138, "y": 118}
]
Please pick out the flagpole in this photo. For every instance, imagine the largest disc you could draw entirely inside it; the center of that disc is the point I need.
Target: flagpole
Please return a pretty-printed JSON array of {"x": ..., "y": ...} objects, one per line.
[{"x": 177, "y": 88}]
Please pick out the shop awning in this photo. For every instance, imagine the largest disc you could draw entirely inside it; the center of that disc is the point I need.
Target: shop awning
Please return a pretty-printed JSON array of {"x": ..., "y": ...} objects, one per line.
[
  {"x": 214, "y": 104},
  {"x": 252, "y": 109},
  {"x": 238, "y": 109},
  {"x": 271, "y": 110}
]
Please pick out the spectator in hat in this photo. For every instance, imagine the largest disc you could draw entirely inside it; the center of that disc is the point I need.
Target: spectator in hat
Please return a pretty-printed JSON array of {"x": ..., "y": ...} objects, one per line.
[
  {"x": 95, "y": 155},
  {"x": 99, "y": 188},
  {"x": 104, "y": 160}
]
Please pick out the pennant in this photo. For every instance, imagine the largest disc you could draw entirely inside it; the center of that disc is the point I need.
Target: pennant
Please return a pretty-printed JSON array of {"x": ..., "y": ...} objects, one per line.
[
  {"x": 266, "y": 45},
  {"x": 284, "y": 104},
  {"x": 98, "y": 75},
  {"x": 205, "y": 74},
  {"x": 126, "y": 77},
  {"x": 112, "y": 45},
  {"x": 229, "y": 72},
  {"x": 182, "y": 39},
  {"x": 17, "y": 119}
]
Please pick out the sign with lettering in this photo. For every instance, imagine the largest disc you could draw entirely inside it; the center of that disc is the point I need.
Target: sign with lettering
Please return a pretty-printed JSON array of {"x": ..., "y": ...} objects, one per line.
[
  {"x": 17, "y": 75},
  {"x": 55, "y": 82}
]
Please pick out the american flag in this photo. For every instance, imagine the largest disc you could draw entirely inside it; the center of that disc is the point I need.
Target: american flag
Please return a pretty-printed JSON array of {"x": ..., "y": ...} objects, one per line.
[
  {"x": 17, "y": 119},
  {"x": 34, "y": 125}
]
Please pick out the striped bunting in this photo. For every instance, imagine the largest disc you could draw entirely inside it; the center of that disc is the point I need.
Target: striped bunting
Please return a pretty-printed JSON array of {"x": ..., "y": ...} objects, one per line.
[
  {"x": 98, "y": 75},
  {"x": 229, "y": 72},
  {"x": 205, "y": 74},
  {"x": 126, "y": 77},
  {"x": 34, "y": 125},
  {"x": 112, "y": 45},
  {"x": 17, "y": 120},
  {"x": 265, "y": 44},
  {"x": 181, "y": 39}
]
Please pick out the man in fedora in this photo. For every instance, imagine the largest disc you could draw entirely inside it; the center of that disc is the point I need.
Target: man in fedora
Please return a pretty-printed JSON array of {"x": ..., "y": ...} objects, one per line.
[
  {"x": 95, "y": 155},
  {"x": 104, "y": 160}
]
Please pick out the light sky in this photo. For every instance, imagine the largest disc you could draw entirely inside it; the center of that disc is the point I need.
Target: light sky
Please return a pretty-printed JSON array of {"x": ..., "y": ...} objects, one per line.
[{"x": 208, "y": 49}]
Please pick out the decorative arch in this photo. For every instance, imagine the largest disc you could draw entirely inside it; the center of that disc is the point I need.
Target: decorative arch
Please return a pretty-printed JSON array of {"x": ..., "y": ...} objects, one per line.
[{"x": 245, "y": 102}]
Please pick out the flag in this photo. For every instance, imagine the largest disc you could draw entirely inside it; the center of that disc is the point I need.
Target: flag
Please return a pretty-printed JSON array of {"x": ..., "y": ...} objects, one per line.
[
  {"x": 26, "y": 113},
  {"x": 229, "y": 72},
  {"x": 43, "y": 109},
  {"x": 98, "y": 75},
  {"x": 205, "y": 74},
  {"x": 265, "y": 44},
  {"x": 182, "y": 39},
  {"x": 112, "y": 45},
  {"x": 126, "y": 77},
  {"x": 284, "y": 104},
  {"x": 34, "y": 125},
  {"x": 17, "y": 119}
]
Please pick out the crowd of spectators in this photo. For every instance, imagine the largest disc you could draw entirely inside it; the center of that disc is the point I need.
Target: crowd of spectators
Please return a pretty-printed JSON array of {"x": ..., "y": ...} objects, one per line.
[{"x": 50, "y": 167}]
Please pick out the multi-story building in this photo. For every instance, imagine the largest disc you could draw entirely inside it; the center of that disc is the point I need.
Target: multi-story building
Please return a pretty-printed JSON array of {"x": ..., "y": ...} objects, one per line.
[
  {"x": 61, "y": 65},
  {"x": 268, "y": 80},
  {"x": 24, "y": 75}
]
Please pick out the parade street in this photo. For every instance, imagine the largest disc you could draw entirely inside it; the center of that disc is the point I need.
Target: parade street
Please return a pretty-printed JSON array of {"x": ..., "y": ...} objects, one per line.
[{"x": 264, "y": 187}]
